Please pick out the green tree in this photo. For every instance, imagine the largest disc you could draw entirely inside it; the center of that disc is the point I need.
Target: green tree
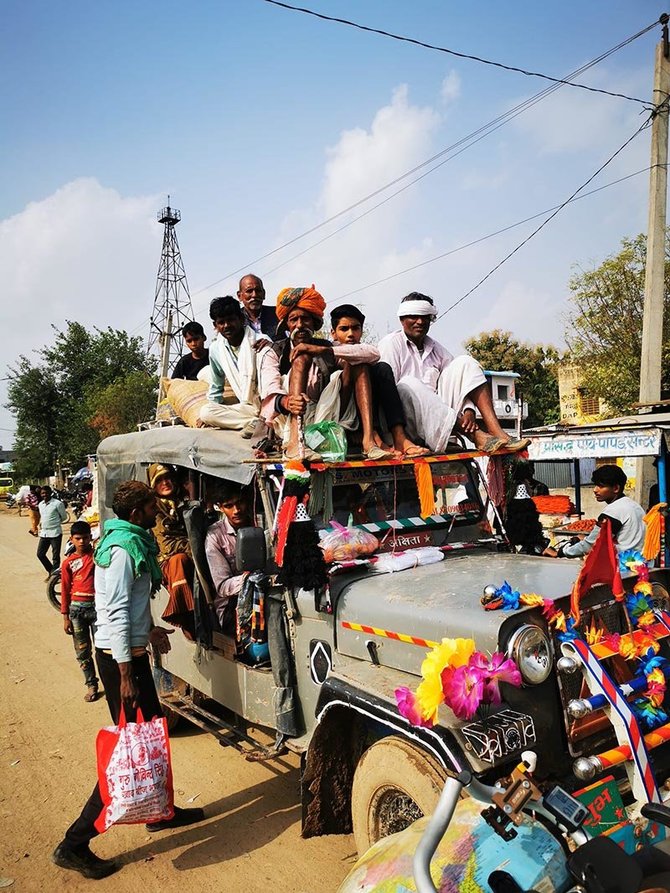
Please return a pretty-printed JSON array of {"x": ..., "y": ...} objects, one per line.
[
  {"x": 123, "y": 404},
  {"x": 499, "y": 351},
  {"x": 55, "y": 399},
  {"x": 604, "y": 327}
]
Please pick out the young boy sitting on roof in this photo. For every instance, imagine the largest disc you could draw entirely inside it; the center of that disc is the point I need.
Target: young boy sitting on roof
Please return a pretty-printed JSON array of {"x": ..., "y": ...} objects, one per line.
[
  {"x": 308, "y": 377},
  {"x": 439, "y": 392},
  {"x": 346, "y": 323},
  {"x": 232, "y": 359}
]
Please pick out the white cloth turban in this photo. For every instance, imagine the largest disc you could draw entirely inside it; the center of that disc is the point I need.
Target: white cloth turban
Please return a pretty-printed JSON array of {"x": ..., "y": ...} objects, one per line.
[{"x": 417, "y": 308}]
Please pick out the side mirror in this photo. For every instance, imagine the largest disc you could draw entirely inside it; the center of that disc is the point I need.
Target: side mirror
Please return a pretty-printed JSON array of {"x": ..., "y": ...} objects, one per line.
[{"x": 250, "y": 551}]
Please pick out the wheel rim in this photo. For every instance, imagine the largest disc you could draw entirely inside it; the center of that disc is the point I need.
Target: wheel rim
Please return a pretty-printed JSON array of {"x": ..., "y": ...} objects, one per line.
[{"x": 393, "y": 810}]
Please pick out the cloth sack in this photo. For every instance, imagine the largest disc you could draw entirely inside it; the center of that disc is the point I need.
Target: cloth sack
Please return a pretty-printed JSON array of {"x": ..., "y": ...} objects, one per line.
[
  {"x": 186, "y": 398},
  {"x": 134, "y": 772}
]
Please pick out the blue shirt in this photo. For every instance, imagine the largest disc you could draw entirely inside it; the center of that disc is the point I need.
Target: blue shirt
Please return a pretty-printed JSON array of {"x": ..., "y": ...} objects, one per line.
[
  {"x": 52, "y": 515},
  {"x": 122, "y": 606}
]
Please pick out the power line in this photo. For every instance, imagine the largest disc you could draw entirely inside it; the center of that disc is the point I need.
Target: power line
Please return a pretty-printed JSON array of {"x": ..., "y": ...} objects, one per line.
[
  {"x": 440, "y": 49},
  {"x": 466, "y": 141},
  {"x": 485, "y": 238},
  {"x": 551, "y": 217}
]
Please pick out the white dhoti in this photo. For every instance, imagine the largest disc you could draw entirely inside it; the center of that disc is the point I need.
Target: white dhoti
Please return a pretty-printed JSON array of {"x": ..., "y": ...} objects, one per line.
[
  {"x": 232, "y": 416},
  {"x": 431, "y": 415},
  {"x": 328, "y": 408}
]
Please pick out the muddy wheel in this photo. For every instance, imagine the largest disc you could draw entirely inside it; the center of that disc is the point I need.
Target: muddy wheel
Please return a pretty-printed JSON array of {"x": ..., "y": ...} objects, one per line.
[
  {"x": 395, "y": 783},
  {"x": 53, "y": 590}
]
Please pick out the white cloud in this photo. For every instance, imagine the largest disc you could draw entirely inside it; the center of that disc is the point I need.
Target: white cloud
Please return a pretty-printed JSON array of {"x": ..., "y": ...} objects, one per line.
[
  {"x": 84, "y": 253},
  {"x": 510, "y": 311},
  {"x": 451, "y": 88},
  {"x": 400, "y": 136},
  {"x": 572, "y": 120}
]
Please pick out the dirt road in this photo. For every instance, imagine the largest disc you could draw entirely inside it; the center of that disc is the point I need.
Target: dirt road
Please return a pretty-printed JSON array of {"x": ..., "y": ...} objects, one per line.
[{"x": 250, "y": 841}]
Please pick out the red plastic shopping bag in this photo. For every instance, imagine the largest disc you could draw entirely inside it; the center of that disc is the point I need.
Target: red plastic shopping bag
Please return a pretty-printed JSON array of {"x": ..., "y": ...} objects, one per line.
[{"x": 134, "y": 772}]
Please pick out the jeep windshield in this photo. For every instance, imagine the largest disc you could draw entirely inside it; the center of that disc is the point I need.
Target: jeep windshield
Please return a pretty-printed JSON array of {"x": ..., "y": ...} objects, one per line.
[{"x": 385, "y": 498}]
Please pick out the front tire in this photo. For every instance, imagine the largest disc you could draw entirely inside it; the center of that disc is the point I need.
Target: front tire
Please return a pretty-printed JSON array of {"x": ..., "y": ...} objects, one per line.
[
  {"x": 53, "y": 590},
  {"x": 395, "y": 783}
]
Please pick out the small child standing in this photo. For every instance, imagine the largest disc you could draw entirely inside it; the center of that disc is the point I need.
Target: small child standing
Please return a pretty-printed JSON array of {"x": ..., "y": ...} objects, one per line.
[{"x": 78, "y": 603}]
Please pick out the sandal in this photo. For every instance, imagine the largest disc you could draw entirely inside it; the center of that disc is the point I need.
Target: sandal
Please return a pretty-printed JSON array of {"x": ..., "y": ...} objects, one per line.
[
  {"x": 309, "y": 455},
  {"x": 377, "y": 454},
  {"x": 91, "y": 694},
  {"x": 494, "y": 444},
  {"x": 514, "y": 446}
]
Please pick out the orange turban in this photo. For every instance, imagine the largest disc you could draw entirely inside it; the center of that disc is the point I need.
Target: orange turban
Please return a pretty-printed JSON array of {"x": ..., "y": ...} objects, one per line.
[{"x": 307, "y": 299}]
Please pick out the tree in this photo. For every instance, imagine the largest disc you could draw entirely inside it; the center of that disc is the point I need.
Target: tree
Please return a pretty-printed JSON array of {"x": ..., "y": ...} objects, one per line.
[
  {"x": 536, "y": 364},
  {"x": 55, "y": 399},
  {"x": 604, "y": 328},
  {"x": 123, "y": 404}
]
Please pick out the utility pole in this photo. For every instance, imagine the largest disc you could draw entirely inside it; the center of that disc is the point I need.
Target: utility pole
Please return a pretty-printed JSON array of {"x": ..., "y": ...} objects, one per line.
[{"x": 654, "y": 280}]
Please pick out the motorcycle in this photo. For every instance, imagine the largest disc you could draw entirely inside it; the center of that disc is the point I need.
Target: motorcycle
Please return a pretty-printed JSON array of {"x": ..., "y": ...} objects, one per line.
[
  {"x": 526, "y": 840},
  {"x": 53, "y": 583}
]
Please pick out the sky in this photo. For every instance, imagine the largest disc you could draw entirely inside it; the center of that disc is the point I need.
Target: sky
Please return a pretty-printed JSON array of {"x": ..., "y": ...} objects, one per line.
[{"x": 261, "y": 123}]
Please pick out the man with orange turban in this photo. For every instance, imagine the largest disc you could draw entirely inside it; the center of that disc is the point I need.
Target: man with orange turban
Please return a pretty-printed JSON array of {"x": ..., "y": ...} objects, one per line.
[{"x": 304, "y": 376}]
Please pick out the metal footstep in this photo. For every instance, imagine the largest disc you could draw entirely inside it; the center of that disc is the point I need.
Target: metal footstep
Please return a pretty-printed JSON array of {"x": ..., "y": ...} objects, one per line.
[{"x": 227, "y": 734}]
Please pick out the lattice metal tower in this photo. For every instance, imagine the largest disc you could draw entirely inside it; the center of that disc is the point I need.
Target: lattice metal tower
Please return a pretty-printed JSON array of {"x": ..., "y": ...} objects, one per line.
[{"x": 172, "y": 301}]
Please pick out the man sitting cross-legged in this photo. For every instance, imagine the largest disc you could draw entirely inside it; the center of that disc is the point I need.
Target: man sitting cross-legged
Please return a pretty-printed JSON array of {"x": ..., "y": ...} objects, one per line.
[
  {"x": 440, "y": 392},
  {"x": 232, "y": 359},
  {"x": 346, "y": 322},
  {"x": 304, "y": 376}
]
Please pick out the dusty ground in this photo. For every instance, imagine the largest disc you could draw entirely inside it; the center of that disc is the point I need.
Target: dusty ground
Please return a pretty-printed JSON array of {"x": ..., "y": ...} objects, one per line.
[{"x": 250, "y": 840}]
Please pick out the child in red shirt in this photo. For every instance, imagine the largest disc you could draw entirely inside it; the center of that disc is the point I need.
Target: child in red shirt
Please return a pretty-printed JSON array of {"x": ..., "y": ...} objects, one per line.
[{"x": 77, "y": 603}]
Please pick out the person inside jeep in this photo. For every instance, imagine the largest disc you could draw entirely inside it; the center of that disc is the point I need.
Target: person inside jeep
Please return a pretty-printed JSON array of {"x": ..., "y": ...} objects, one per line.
[{"x": 220, "y": 542}]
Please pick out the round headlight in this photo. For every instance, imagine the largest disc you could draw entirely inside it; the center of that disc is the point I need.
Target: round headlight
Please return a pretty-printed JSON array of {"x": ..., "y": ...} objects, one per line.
[{"x": 529, "y": 649}]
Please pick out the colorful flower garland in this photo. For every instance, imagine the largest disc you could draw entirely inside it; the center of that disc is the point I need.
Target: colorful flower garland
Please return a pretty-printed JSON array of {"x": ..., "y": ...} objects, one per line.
[
  {"x": 640, "y": 609},
  {"x": 467, "y": 681}
]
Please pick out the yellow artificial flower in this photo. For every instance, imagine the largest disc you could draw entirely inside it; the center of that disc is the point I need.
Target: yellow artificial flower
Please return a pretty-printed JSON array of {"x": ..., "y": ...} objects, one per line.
[
  {"x": 644, "y": 587},
  {"x": 656, "y": 676},
  {"x": 532, "y": 600},
  {"x": 429, "y": 696},
  {"x": 449, "y": 653},
  {"x": 646, "y": 619}
]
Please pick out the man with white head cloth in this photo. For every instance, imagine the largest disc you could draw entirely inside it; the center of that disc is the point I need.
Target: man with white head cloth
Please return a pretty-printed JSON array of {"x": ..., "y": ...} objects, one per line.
[{"x": 440, "y": 392}]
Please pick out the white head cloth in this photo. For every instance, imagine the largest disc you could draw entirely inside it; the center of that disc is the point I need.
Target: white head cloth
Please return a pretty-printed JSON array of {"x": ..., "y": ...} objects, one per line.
[{"x": 417, "y": 308}]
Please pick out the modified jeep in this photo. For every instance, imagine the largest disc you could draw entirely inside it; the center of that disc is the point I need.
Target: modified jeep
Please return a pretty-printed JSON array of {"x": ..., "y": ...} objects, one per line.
[{"x": 364, "y": 767}]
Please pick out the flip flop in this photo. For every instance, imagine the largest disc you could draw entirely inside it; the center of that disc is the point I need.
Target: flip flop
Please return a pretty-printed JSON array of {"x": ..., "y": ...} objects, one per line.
[
  {"x": 377, "y": 454},
  {"x": 416, "y": 452},
  {"x": 494, "y": 444}
]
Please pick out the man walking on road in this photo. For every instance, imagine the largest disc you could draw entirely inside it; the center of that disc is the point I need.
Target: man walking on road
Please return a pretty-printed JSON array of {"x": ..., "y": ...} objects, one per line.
[
  {"x": 52, "y": 514},
  {"x": 126, "y": 574}
]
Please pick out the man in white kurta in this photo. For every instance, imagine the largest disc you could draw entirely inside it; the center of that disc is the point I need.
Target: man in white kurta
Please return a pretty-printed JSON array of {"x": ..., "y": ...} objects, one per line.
[
  {"x": 439, "y": 392},
  {"x": 232, "y": 359}
]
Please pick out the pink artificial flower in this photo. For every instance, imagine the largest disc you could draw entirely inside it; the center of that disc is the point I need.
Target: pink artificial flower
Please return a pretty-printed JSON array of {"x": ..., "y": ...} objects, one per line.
[
  {"x": 463, "y": 689},
  {"x": 495, "y": 670},
  {"x": 408, "y": 707}
]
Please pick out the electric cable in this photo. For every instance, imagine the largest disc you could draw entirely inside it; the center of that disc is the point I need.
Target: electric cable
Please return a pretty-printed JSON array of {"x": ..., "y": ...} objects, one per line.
[
  {"x": 525, "y": 241},
  {"x": 440, "y": 49},
  {"x": 485, "y": 238},
  {"x": 470, "y": 139},
  {"x": 484, "y": 130}
]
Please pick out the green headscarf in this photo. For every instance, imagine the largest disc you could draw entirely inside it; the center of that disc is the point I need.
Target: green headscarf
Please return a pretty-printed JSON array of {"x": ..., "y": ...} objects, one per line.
[{"x": 138, "y": 543}]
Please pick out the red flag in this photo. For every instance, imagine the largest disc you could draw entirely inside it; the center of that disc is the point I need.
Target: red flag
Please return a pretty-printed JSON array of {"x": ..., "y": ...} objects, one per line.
[{"x": 600, "y": 566}]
